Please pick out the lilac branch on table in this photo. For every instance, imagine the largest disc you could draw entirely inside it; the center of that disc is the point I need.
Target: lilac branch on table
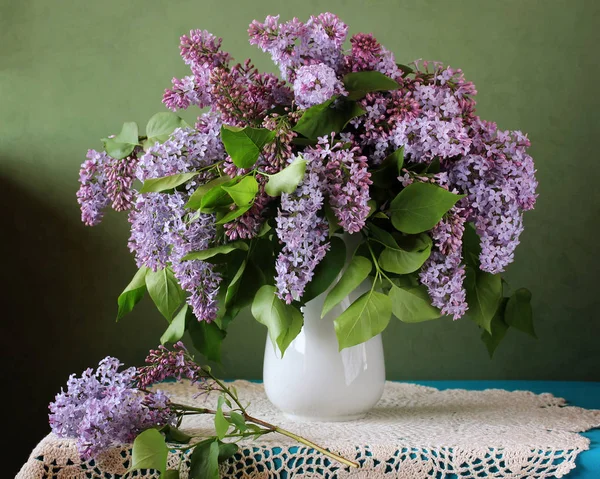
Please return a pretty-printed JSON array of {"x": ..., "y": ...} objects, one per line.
[{"x": 106, "y": 407}]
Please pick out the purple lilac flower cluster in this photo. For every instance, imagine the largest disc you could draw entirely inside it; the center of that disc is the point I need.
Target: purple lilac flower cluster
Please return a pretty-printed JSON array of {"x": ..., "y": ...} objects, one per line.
[
  {"x": 103, "y": 408},
  {"x": 92, "y": 196},
  {"x": 295, "y": 44},
  {"x": 499, "y": 178},
  {"x": 105, "y": 180},
  {"x": 336, "y": 172},
  {"x": 239, "y": 93},
  {"x": 432, "y": 116},
  {"x": 200, "y": 50},
  {"x": 162, "y": 230},
  {"x": 316, "y": 84},
  {"x": 302, "y": 231}
]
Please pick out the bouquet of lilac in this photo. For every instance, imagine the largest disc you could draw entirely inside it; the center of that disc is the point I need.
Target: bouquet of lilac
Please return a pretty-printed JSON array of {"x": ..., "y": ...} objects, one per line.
[{"x": 249, "y": 205}]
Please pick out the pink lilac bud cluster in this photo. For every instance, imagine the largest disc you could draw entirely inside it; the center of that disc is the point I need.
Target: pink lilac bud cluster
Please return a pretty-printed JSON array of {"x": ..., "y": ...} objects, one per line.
[
  {"x": 103, "y": 408},
  {"x": 163, "y": 364},
  {"x": 276, "y": 154},
  {"x": 367, "y": 54},
  {"x": 119, "y": 185},
  {"x": 242, "y": 94}
]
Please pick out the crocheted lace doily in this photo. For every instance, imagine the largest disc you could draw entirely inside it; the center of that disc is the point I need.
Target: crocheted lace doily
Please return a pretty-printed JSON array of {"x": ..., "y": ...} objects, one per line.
[{"x": 414, "y": 432}]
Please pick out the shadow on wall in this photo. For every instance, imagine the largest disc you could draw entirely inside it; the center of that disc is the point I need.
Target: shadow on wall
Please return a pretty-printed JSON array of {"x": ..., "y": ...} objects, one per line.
[{"x": 56, "y": 319}]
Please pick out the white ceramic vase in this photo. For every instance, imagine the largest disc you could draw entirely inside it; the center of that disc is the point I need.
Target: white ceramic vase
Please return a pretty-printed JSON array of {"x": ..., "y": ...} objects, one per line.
[{"x": 314, "y": 381}]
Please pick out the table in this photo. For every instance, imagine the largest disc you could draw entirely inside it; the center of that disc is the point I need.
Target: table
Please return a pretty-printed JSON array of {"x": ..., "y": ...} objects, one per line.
[
  {"x": 577, "y": 393},
  {"x": 448, "y": 424}
]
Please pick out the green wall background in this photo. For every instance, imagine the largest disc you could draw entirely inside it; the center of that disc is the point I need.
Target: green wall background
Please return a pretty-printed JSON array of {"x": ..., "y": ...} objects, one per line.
[{"x": 72, "y": 71}]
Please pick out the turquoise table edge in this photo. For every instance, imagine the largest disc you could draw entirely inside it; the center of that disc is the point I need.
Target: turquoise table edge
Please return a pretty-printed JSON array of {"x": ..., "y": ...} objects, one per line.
[{"x": 576, "y": 393}]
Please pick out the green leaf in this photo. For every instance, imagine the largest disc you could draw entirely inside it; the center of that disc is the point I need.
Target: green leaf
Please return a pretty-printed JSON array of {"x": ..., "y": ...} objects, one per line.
[
  {"x": 164, "y": 291},
  {"x": 412, "y": 305},
  {"x": 226, "y": 450},
  {"x": 358, "y": 84},
  {"x": 287, "y": 180},
  {"x": 264, "y": 229},
  {"x": 206, "y": 338},
  {"x": 156, "y": 185},
  {"x": 498, "y": 329},
  {"x": 382, "y": 236},
  {"x": 233, "y": 214},
  {"x": 357, "y": 271},
  {"x": 405, "y": 69},
  {"x": 173, "y": 434},
  {"x": 471, "y": 246},
  {"x": 518, "y": 313},
  {"x": 364, "y": 319},
  {"x": 387, "y": 173},
  {"x": 327, "y": 270},
  {"x": 484, "y": 294},
  {"x": 244, "y": 192},
  {"x": 323, "y": 119},
  {"x": 195, "y": 201},
  {"x": 176, "y": 329},
  {"x": 332, "y": 220},
  {"x": 420, "y": 206},
  {"x": 238, "y": 421},
  {"x": 161, "y": 125},
  {"x": 221, "y": 249},
  {"x": 215, "y": 199},
  {"x": 283, "y": 321},
  {"x": 149, "y": 451},
  {"x": 244, "y": 145},
  {"x": 204, "y": 461},
  {"x": 406, "y": 258},
  {"x": 350, "y": 110},
  {"x": 133, "y": 293},
  {"x": 434, "y": 167},
  {"x": 253, "y": 278},
  {"x": 256, "y": 429},
  {"x": 234, "y": 284},
  {"x": 398, "y": 158},
  {"x": 221, "y": 424},
  {"x": 122, "y": 144},
  {"x": 372, "y": 204},
  {"x": 170, "y": 474}
]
